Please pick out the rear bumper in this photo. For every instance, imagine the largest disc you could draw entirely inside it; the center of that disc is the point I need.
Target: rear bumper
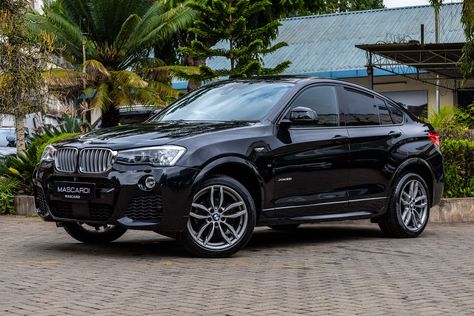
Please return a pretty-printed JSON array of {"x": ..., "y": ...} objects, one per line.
[
  {"x": 119, "y": 197},
  {"x": 437, "y": 166}
]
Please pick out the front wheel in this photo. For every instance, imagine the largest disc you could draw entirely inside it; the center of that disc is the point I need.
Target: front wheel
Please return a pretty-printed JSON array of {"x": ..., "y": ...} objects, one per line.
[
  {"x": 221, "y": 220},
  {"x": 409, "y": 208},
  {"x": 94, "y": 234}
]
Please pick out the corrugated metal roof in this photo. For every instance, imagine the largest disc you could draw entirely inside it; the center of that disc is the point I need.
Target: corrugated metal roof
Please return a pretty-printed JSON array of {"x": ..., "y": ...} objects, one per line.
[{"x": 326, "y": 43}]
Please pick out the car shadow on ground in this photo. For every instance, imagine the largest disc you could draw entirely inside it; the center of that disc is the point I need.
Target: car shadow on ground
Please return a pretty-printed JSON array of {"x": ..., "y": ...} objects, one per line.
[
  {"x": 311, "y": 234},
  {"x": 262, "y": 239}
]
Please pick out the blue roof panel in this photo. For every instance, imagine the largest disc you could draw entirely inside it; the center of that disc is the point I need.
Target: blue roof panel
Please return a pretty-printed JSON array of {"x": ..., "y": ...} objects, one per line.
[{"x": 326, "y": 43}]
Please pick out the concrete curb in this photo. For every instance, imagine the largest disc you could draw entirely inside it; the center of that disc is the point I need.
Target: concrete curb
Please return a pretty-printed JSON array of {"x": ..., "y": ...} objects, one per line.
[
  {"x": 455, "y": 210},
  {"x": 25, "y": 205}
]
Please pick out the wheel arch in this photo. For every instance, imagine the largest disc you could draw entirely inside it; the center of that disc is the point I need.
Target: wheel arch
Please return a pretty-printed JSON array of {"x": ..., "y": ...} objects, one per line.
[
  {"x": 420, "y": 167},
  {"x": 241, "y": 170}
]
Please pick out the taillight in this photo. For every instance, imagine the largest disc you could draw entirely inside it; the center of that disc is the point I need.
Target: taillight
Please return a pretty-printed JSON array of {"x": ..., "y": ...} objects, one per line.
[{"x": 434, "y": 137}]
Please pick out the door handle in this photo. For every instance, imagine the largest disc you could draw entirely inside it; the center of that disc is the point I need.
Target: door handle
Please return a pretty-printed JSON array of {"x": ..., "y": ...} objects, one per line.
[
  {"x": 340, "y": 139},
  {"x": 395, "y": 134}
]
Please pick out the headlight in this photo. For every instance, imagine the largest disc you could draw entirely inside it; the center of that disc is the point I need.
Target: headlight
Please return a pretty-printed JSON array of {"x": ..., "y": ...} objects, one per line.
[
  {"x": 49, "y": 153},
  {"x": 157, "y": 156}
]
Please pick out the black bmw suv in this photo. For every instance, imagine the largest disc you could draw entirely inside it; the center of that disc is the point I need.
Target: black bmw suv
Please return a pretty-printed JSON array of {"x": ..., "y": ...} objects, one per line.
[{"x": 234, "y": 155}]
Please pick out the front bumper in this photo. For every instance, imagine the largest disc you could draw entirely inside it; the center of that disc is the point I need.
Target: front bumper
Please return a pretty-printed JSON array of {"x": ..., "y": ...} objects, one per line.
[{"x": 119, "y": 198}]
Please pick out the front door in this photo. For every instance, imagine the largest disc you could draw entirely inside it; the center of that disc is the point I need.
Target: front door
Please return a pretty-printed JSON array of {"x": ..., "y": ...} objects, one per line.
[{"x": 311, "y": 165}]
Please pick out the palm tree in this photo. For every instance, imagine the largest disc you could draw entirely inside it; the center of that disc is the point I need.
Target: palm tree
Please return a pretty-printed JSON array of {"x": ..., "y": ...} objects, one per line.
[
  {"x": 436, "y": 4},
  {"x": 109, "y": 43},
  {"x": 466, "y": 63}
]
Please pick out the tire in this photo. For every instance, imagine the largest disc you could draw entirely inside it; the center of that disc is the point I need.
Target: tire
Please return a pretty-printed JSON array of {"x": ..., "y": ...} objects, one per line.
[
  {"x": 220, "y": 228},
  {"x": 285, "y": 228},
  {"x": 91, "y": 235},
  {"x": 406, "y": 218}
]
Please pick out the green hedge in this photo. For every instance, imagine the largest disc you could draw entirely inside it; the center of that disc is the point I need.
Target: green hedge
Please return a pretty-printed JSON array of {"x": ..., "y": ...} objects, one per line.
[
  {"x": 7, "y": 195},
  {"x": 459, "y": 167}
]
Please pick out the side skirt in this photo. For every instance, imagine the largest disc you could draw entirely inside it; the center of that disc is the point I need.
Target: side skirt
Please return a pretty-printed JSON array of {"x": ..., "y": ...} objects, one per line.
[{"x": 316, "y": 218}]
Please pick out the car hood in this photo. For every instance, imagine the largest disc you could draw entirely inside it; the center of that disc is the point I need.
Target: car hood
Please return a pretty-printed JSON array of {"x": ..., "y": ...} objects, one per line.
[
  {"x": 148, "y": 134},
  {"x": 7, "y": 151}
]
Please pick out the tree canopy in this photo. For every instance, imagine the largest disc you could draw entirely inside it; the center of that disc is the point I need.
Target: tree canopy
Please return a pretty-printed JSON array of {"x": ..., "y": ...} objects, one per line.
[
  {"x": 22, "y": 60},
  {"x": 467, "y": 60},
  {"x": 117, "y": 37},
  {"x": 241, "y": 42}
]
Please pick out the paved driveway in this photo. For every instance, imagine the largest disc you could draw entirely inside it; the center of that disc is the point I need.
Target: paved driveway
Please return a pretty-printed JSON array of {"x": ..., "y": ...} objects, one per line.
[{"x": 320, "y": 269}]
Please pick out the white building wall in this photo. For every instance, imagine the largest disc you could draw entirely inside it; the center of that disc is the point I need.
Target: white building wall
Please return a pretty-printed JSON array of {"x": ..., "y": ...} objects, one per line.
[{"x": 399, "y": 84}]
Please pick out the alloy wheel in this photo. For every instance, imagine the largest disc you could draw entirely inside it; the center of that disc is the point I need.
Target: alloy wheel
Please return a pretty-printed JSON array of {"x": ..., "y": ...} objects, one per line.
[
  {"x": 414, "y": 205},
  {"x": 218, "y": 217}
]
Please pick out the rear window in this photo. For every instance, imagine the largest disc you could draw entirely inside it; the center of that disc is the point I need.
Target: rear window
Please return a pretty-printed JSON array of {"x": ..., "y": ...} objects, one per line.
[
  {"x": 397, "y": 115},
  {"x": 360, "y": 108}
]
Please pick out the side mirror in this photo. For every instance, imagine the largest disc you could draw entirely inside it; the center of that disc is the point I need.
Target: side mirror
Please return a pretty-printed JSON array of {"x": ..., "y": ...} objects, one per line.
[{"x": 303, "y": 115}]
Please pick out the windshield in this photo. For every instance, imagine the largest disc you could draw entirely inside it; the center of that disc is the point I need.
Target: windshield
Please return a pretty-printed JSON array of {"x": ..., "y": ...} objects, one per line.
[
  {"x": 229, "y": 101},
  {"x": 7, "y": 138}
]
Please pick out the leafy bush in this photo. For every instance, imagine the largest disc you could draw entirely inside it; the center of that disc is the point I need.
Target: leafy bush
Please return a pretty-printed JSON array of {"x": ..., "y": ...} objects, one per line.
[
  {"x": 459, "y": 167},
  {"x": 22, "y": 166},
  {"x": 448, "y": 123},
  {"x": 466, "y": 117},
  {"x": 8, "y": 188}
]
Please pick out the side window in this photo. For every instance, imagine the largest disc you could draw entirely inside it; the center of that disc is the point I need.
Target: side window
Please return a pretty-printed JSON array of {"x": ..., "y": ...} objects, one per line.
[
  {"x": 384, "y": 112},
  {"x": 360, "y": 108},
  {"x": 322, "y": 100},
  {"x": 397, "y": 115}
]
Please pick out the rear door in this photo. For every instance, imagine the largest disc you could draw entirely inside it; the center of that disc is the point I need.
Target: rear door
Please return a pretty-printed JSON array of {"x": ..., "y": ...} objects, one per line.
[
  {"x": 311, "y": 165},
  {"x": 373, "y": 138}
]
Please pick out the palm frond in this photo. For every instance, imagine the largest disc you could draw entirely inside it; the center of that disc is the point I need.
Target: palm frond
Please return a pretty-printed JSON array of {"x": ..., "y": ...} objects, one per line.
[
  {"x": 127, "y": 29},
  {"x": 101, "y": 99},
  {"x": 96, "y": 70},
  {"x": 58, "y": 78},
  {"x": 128, "y": 79}
]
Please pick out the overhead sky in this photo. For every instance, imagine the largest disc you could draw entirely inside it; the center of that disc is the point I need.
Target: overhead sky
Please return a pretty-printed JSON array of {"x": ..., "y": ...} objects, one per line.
[{"x": 409, "y": 3}]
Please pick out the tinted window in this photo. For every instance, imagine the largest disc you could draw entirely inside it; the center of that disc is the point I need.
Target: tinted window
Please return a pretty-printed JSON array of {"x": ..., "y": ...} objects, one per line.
[
  {"x": 397, "y": 115},
  {"x": 228, "y": 101},
  {"x": 384, "y": 112},
  {"x": 361, "y": 109},
  {"x": 322, "y": 100}
]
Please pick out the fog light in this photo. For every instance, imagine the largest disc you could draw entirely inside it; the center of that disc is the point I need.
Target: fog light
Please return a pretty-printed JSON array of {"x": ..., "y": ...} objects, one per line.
[{"x": 150, "y": 183}]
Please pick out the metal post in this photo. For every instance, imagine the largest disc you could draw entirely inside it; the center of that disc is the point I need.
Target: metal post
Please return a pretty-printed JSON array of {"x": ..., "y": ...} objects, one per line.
[
  {"x": 438, "y": 96},
  {"x": 370, "y": 72},
  {"x": 422, "y": 39},
  {"x": 84, "y": 103}
]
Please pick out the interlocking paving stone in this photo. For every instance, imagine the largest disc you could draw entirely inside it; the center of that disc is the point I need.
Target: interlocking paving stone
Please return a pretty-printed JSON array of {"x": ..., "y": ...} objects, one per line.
[{"x": 324, "y": 269}]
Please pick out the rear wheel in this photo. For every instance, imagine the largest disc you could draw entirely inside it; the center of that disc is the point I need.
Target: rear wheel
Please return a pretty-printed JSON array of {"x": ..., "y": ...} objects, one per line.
[
  {"x": 286, "y": 228},
  {"x": 94, "y": 234},
  {"x": 221, "y": 220},
  {"x": 409, "y": 209}
]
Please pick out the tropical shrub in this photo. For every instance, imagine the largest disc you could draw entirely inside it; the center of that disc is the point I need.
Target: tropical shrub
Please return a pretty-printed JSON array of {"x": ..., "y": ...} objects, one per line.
[
  {"x": 448, "y": 123},
  {"x": 22, "y": 166},
  {"x": 8, "y": 187},
  {"x": 459, "y": 167},
  {"x": 21, "y": 169},
  {"x": 466, "y": 117}
]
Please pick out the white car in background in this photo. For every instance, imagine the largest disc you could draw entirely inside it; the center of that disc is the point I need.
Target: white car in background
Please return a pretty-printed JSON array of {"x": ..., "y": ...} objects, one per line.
[{"x": 7, "y": 142}]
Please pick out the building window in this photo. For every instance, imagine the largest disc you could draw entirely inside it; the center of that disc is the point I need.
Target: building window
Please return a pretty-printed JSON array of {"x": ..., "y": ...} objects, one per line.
[{"x": 414, "y": 101}]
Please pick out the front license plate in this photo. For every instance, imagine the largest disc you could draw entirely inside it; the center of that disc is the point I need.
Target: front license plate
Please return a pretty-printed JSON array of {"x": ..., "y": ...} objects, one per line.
[{"x": 75, "y": 190}]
